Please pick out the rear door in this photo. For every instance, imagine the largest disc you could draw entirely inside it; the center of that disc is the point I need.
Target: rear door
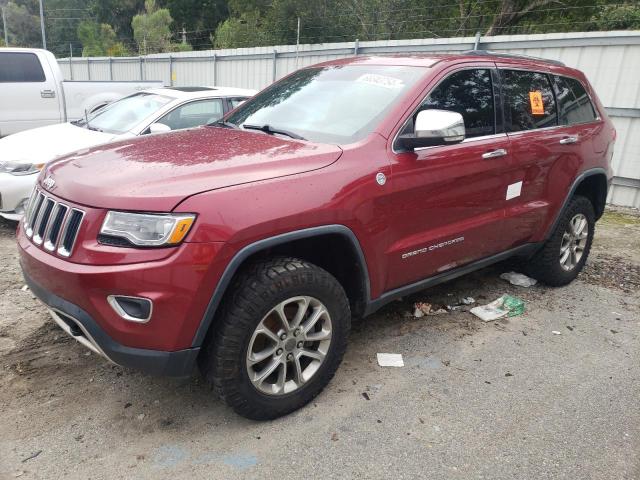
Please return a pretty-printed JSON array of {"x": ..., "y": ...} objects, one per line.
[
  {"x": 448, "y": 200},
  {"x": 27, "y": 97},
  {"x": 546, "y": 152}
]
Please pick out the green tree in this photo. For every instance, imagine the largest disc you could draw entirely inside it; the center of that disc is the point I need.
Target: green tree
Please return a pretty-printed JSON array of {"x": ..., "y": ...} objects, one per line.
[
  {"x": 151, "y": 29},
  {"x": 100, "y": 40},
  {"x": 617, "y": 17},
  {"x": 23, "y": 27}
]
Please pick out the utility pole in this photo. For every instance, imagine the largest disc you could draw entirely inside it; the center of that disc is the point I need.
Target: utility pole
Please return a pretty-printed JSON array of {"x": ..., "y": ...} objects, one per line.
[
  {"x": 44, "y": 38},
  {"x": 297, "y": 41},
  {"x": 4, "y": 28}
]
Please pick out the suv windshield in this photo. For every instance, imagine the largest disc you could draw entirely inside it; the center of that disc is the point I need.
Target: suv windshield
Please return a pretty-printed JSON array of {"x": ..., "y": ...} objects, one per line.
[
  {"x": 333, "y": 104},
  {"x": 121, "y": 116}
]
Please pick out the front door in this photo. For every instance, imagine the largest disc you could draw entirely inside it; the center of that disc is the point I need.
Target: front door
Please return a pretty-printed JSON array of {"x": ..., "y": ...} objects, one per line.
[{"x": 448, "y": 201}]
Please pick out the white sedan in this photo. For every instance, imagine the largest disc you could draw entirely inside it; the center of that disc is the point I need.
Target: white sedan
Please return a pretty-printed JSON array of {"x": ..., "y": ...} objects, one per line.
[{"x": 157, "y": 110}]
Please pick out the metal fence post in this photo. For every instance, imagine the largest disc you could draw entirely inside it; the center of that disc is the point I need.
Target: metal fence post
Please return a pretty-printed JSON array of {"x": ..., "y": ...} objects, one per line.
[
  {"x": 215, "y": 70},
  {"x": 141, "y": 75},
  {"x": 275, "y": 60},
  {"x": 170, "y": 70},
  {"x": 356, "y": 46},
  {"x": 88, "y": 69},
  {"x": 70, "y": 69},
  {"x": 110, "y": 68},
  {"x": 476, "y": 44}
]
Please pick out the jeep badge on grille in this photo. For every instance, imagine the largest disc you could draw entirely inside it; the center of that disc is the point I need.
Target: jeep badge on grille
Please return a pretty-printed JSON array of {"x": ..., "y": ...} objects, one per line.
[{"x": 49, "y": 182}]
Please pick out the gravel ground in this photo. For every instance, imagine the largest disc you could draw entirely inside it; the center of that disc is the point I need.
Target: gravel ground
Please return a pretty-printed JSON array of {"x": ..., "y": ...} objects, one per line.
[{"x": 499, "y": 400}]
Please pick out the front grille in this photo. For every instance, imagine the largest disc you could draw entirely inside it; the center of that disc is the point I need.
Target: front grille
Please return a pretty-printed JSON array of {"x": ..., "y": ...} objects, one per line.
[{"x": 52, "y": 224}]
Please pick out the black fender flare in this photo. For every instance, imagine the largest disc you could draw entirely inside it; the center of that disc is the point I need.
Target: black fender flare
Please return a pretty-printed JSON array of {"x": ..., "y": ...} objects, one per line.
[
  {"x": 239, "y": 258},
  {"x": 576, "y": 183}
]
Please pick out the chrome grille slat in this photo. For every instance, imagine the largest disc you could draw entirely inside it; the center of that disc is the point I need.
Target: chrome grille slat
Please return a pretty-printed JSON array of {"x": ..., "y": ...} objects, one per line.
[
  {"x": 58, "y": 218},
  {"x": 43, "y": 221},
  {"x": 52, "y": 224},
  {"x": 70, "y": 232},
  {"x": 37, "y": 213}
]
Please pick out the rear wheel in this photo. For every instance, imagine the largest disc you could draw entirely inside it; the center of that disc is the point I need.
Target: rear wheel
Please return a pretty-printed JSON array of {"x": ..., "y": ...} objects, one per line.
[
  {"x": 281, "y": 336},
  {"x": 565, "y": 253}
]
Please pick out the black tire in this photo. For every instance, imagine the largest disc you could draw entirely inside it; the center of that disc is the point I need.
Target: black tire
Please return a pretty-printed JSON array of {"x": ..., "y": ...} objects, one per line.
[
  {"x": 545, "y": 265},
  {"x": 256, "y": 291}
]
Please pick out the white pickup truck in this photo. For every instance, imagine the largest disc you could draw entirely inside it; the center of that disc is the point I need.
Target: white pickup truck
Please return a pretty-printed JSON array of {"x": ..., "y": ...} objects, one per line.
[{"x": 33, "y": 92}]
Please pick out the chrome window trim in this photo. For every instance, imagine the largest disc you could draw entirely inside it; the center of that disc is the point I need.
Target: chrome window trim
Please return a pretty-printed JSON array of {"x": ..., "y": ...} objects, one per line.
[{"x": 466, "y": 140}]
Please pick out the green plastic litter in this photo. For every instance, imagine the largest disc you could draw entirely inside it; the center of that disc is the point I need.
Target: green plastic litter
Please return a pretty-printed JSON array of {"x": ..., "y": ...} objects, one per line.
[{"x": 515, "y": 305}]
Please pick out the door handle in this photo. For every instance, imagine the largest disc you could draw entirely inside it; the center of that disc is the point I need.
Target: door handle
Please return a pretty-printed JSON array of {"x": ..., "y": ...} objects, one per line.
[
  {"x": 47, "y": 93},
  {"x": 500, "y": 152},
  {"x": 569, "y": 140}
]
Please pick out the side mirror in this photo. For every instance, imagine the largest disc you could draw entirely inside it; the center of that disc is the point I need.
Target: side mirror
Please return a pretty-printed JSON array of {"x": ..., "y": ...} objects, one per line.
[
  {"x": 434, "y": 127},
  {"x": 159, "y": 128}
]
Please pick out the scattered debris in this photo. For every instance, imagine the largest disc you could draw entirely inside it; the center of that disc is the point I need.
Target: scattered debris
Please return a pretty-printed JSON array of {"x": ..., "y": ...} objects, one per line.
[
  {"x": 25, "y": 288},
  {"x": 506, "y": 305},
  {"x": 32, "y": 456},
  {"x": 366, "y": 396},
  {"x": 508, "y": 374},
  {"x": 518, "y": 279},
  {"x": 570, "y": 328},
  {"x": 468, "y": 300},
  {"x": 390, "y": 360},
  {"x": 423, "y": 308},
  {"x": 555, "y": 332},
  {"x": 334, "y": 437},
  {"x": 141, "y": 416}
]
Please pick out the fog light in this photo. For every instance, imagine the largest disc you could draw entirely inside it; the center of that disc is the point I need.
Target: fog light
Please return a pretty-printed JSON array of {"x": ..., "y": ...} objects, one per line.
[{"x": 133, "y": 309}]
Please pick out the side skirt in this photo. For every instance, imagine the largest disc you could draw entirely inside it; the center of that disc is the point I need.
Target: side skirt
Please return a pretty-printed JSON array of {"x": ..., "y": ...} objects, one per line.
[{"x": 523, "y": 250}]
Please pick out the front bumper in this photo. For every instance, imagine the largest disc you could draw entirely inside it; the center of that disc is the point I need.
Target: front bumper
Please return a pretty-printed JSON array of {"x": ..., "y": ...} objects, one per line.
[
  {"x": 81, "y": 326},
  {"x": 14, "y": 190}
]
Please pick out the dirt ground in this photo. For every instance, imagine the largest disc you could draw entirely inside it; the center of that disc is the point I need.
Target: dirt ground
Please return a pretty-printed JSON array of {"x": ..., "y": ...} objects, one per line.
[{"x": 509, "y": 399}]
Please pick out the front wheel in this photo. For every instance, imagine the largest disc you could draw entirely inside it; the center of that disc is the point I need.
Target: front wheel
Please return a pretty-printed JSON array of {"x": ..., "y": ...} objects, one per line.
[
  {"x": 281, "y": 336},
  {"x": 563, "y": 256}
]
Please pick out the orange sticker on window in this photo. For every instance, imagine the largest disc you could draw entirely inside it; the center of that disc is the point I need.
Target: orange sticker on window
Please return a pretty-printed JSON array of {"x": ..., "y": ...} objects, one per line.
[{"x": 537, "y": 107}]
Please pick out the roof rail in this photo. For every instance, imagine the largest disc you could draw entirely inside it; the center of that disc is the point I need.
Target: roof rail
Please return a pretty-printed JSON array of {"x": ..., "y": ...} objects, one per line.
[{"x": 512, "y": 55}]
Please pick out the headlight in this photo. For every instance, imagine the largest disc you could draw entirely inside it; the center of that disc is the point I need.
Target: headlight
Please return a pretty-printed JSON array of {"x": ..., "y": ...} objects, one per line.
[
  {"x": 147, "y": 229},
  {"x": 19, "y": 168}
]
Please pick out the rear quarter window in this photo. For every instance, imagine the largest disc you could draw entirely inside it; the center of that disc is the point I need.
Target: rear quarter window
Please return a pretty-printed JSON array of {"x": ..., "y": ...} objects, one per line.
[
  {"x": 529, "y": 100},
  {"x": 20, "y": 68},
  {"x": 573, "y": 102}
]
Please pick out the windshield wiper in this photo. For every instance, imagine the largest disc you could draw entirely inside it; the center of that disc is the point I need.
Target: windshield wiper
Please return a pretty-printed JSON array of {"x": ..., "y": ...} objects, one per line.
[
  {"x": 222, "y": 123},
  {"x": 269, "y": 129}
]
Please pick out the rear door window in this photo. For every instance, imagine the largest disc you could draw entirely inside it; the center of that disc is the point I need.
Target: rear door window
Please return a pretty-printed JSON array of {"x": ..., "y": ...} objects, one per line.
[
  {"x": 528, "y": 100},
  {"x": 20, "y": 68},
  {"x": 574, "y": 103}
]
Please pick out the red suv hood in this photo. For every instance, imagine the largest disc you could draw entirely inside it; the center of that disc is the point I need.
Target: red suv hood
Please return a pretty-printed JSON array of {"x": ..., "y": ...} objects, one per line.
[{"x": 155, "y": 173}]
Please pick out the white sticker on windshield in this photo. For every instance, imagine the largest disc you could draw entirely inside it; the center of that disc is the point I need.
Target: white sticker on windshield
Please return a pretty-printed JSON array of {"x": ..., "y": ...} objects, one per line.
[{"x": 381, "y": 81}]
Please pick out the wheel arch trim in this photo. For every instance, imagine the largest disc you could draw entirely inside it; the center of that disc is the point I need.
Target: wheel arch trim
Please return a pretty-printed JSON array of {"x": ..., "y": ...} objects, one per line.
[
  {"x": 574, "y": 187},
  {"x": 239, "y": 258}
]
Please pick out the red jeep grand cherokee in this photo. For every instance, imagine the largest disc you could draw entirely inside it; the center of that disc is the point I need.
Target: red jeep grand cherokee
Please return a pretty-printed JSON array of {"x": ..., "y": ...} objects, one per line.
[{"x": 246, "y": 246}]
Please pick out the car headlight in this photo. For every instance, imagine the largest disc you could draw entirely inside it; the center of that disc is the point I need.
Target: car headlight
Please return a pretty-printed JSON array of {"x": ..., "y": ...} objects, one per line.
[
  {"x": 20, "y": 168},
  {"x": 148, "y": 229}
]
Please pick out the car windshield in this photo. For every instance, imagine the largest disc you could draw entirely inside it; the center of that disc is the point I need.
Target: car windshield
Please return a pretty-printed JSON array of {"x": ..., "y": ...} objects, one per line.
[
  {"x": 335, "y": 104},
  {"x": 123, "y": 115}
]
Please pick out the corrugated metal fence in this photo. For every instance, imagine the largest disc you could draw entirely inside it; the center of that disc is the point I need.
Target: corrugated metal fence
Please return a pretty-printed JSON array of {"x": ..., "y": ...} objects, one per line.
[{"x": 611, "y": 60}]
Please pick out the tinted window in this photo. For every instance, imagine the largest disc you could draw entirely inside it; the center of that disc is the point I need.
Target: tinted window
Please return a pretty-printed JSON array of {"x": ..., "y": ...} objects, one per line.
[
  {"x": 574, "y": 103},
  {"x": 529, "y": 101},
  {"x": 193, "y": 114},
  {"x": 20, "y": 68},
  {"x": 470, "y": 93}
]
